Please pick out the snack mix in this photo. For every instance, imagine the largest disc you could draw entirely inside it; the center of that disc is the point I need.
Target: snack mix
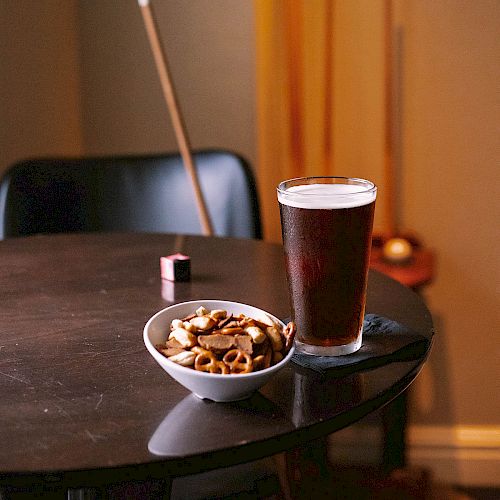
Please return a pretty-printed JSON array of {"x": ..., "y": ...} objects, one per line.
[{"x": 219, "y": 342}]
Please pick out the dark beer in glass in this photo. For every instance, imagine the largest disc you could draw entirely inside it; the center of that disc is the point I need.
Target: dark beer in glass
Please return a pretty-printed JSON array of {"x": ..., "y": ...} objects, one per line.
[{"x": 327, "y": 227}]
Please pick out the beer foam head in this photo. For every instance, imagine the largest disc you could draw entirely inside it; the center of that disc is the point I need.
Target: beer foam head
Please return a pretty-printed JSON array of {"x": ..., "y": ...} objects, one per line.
[{"x": 327, "y": 196}]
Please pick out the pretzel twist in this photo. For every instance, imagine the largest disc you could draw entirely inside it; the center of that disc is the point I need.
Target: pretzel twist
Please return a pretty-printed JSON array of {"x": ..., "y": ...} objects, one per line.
[
  {"x": 238, "y": 361},
  {"x": 207, "y": 362}
]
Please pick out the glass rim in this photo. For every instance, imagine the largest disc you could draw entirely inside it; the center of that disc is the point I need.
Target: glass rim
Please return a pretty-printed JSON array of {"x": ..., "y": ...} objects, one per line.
[{"x": 355, "y": 181}]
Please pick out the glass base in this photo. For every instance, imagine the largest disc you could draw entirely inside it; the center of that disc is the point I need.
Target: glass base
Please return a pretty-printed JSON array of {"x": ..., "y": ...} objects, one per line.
[{"x": 333, "y": 350}]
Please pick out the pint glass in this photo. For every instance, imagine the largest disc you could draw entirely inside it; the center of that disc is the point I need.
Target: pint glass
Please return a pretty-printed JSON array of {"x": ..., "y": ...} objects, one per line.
[{"x": 326, "y": 225}]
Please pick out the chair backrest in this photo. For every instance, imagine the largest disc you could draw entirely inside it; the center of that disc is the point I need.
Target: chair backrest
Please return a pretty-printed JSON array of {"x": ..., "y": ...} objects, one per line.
[{"x": 130, "y": 193}]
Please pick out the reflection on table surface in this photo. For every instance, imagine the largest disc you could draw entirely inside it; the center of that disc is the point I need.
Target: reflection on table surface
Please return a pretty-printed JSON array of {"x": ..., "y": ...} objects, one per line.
[{"x": 179, "y": 432}]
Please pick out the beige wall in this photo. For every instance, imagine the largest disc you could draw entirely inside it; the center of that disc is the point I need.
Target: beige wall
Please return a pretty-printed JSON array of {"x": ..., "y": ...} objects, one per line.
[
  {"x": 452, "y": 198},
  {"x": 39, "y": 80}
]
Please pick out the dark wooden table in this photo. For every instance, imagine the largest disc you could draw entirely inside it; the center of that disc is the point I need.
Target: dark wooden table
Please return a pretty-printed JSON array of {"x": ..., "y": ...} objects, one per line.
[{"x": 81, "y": 398}]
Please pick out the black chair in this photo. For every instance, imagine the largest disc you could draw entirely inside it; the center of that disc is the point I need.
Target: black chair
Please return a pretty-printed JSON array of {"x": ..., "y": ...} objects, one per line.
[{"x": 129, "y": 193}]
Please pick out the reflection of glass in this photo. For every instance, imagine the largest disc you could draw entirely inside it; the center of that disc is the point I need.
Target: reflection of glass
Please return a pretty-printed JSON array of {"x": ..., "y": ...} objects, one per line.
[
  {"x": 195, "y": 425},
  {"x": 326, "y": 225},
  {"x": 319, "y": 396}
]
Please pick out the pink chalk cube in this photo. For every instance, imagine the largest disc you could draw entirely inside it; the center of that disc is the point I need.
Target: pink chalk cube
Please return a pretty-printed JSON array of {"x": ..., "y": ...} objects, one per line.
[{"x": 176, "y": 267}]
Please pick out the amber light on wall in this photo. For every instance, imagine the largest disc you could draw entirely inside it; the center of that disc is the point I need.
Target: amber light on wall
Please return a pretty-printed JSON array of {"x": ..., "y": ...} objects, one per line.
[{"x": 395, "y": 253}]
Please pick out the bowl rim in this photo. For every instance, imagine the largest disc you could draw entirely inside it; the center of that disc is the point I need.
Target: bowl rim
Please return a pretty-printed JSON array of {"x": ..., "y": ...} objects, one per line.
[{"x": 151, "y": 348}]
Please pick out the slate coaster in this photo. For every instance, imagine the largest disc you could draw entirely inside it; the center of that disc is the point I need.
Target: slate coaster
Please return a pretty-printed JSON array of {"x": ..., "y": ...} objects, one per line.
[{"x": 384, "y": 341}]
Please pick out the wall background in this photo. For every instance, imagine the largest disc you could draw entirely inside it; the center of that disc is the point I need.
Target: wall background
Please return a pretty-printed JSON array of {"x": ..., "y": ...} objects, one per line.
[
  {"x": 40, "y": 111},
  {"x": 77, "y": 77}
]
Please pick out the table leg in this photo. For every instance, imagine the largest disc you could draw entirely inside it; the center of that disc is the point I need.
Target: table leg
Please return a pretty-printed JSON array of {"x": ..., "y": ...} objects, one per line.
[
  {"x": 394, "y": 416},
  {"x": 280, "y": 461},
  {"x": 303, "y": 472}
]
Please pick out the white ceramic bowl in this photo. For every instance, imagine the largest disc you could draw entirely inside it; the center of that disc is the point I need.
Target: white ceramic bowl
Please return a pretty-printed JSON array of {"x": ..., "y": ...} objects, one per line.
[{"x": 212, "y": 386}]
